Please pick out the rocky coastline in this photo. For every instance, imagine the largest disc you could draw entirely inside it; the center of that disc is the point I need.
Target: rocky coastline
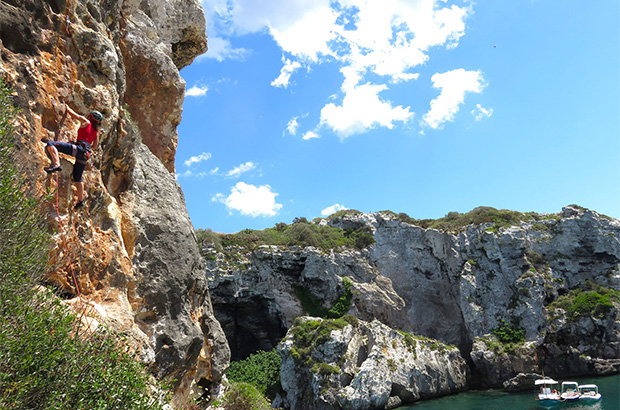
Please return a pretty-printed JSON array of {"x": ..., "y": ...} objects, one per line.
[
  {"x": 407, "y": 311},
  {"x": 505, "y": 297}
]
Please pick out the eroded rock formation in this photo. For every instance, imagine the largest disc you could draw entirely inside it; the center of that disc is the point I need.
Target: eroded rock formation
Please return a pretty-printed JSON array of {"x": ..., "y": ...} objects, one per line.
[
  {"x": 132, "y": 248},
  {"x": 366, "y": 365},
  {"x": 457, "y": 286}
]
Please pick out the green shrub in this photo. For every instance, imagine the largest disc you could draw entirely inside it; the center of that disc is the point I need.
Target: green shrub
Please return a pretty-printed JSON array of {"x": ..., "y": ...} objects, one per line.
[
  {"x": 299, "y": 233},
  {"x": 509, "y": 334},
  {"x": 46, "y": 361},
  {"x": 484, "y": 214},
  {"x": 313, "y": 305},
  {"x": 597, "y": 302},
  {"x": 208, "y": 237},
  {"x": 308, "y": 334},
  {"x": 261, "y": 370},
  {"x": 591, "y": 302},
  {"x": 243, "y": 396},
  {"x": 343, "y": 303}
]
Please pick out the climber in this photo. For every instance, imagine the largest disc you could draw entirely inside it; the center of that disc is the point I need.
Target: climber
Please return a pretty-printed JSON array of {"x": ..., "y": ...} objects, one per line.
[{"x": 87, "y": 141}]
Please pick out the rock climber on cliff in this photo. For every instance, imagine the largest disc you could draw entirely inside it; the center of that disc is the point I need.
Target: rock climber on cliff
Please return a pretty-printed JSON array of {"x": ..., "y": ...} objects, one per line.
[{"x": 87, "y": 141}]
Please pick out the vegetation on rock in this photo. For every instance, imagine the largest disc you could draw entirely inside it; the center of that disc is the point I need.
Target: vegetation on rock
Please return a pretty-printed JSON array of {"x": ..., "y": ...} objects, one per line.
[
  {"x": 299, "y": 233},
  {"x": 307, "y": 334},
  {"x": 597, "y": 302},
  {"x": 508, "y": 334},
  {"x": 261, "y": 370},
  {"x": 47, "y": 361},
  {"x": 242, "y": 396},
  {"x": 484, "y": 214},
  {"x": 313, "y": 307}
]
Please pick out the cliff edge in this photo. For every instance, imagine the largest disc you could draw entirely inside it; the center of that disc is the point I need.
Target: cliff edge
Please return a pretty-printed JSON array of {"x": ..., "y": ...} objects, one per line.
[{"x": 132, "y": 247}]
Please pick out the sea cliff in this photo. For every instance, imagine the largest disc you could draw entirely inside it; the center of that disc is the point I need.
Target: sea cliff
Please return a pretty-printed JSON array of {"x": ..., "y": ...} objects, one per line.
[{"x": 530, "y": 293}]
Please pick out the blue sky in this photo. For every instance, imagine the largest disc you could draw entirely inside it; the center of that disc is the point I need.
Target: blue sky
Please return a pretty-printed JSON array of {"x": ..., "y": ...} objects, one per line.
[{"x": 304, "y": 107}]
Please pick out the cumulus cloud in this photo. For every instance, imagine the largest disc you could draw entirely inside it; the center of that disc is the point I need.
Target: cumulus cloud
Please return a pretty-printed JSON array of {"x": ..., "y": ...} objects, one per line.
[
  {"x": 376, "y": 44},
  {"x": 453, "y": 85},
  {"x": 196, "y": 91},
  {"x": 480, "y": 113},
  {"x": 331, "y": 209},
  {"x": 250, "y": 200},
  {"x": 285, "y": 74},
  {"x": 310, "y": 135},
  {"x": 241, "y": 169},
  {"x": 198, "y": 158},
  {"x": 362, "y": 109}
]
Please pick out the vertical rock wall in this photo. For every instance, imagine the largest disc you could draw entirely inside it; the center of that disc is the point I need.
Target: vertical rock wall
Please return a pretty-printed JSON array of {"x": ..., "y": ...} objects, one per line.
[{"x": 132, "y": 246}]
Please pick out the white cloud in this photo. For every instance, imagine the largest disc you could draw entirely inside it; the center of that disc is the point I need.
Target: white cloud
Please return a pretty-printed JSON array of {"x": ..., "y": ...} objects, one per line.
[
  {"x": 376, "y": 44},
  {"x": 481, "y": 113},
  {"x": 250, "y": 200},
  {"x": 331, "y": 209},
  {"x": 196, "y": 91},
  {"x": 292, "y": 126},
  {"x": 362, "y": 109},
  {"x": 310, "y": 135},
  {"x": 453, "y": 85},
  {"x": 285, "y": 74},
  {"x": 198, "y": 158},
  {"x": 243, "y": 168}
]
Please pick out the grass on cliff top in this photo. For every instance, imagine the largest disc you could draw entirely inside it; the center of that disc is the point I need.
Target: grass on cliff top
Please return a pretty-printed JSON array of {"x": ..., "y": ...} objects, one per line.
[
  {"x": 501, "y": 218},
  {"x": 299, "y": 233},
  {"x": 46, "y": 361}
]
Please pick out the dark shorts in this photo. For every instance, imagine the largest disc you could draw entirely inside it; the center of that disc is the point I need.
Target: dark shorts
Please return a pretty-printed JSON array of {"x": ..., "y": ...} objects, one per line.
[{"x": 78, "y": 151}]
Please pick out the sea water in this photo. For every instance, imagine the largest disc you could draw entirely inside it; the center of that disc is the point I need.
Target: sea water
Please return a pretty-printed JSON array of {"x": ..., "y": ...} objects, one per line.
[{"x": 608, "y": 387}]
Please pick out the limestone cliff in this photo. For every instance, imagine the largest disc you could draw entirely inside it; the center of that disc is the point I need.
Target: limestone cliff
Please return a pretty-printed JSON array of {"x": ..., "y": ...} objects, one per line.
[
  {"x": 132, "y": 247},
  {"x": 364, "y": 365},
  {"x": 462, "y": 286}
]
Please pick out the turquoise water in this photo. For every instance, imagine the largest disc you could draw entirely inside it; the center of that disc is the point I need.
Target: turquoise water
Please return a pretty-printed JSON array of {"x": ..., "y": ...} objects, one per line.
[{"x": 609, "y": 387}]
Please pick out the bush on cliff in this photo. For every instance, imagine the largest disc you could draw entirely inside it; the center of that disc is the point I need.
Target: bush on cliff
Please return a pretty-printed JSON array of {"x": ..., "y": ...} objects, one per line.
[
  {"x": 299, "y": 233},
  {"x": 597, "y": 301},
  {"x": 313, "y": 305},
  {"x": 262, "y": 370},
  {"x": 242, "y": 396},
  {"x": 46, "y": 360},
  {"x": 484, "y": 214}
]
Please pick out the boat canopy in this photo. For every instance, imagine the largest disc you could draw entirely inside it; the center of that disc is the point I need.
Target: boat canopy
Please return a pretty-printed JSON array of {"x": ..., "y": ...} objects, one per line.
[
  {"x": 545, "y": 381},
  {"x": 588, "y": 386}
]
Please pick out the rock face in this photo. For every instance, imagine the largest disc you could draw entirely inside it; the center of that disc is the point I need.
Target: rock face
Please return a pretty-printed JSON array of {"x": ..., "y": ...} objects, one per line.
[
  {"x": 365, "y": 365},
  {"x": 459, "y": 286},
  {"x": 255, "y": 300},
  {"x": 132, "y": 247}
]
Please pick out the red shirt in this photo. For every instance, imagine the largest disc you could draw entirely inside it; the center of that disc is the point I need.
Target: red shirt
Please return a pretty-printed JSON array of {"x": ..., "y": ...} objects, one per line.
[{"x": 88, "y": 134}]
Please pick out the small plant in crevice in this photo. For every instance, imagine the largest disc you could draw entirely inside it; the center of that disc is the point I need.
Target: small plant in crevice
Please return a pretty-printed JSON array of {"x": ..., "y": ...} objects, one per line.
[{"x": 313, "y": 305}]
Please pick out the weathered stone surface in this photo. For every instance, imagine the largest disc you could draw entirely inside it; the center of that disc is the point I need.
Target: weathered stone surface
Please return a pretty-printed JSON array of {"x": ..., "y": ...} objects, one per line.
[
  {"x": 255, "y": 300},
  {"x": 132, "y": 246},
  {"x": 455, "y": 286},
  {"x": 370, "y": 367},
  {"x": 160, "y": 38}
]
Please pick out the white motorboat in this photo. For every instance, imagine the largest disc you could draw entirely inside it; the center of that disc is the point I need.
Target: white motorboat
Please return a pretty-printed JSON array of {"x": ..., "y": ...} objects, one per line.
[
  {"x": 570, "y": 391},
  {"x": 548, "y": 395},
  {"x": 589, "y": 392}
]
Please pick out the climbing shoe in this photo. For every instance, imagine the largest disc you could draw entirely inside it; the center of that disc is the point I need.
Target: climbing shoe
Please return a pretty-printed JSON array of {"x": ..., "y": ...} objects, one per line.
[
  {"x": 79, "y": 205},
  {"x": 51, "y": 169}
]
